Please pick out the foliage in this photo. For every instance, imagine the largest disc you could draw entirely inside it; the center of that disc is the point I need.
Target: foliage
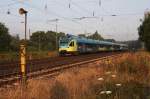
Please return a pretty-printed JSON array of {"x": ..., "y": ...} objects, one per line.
[
  {"x": 82, "y": 35},
  {"x": 15, "y": 42},
  {"x": 5, "y": 38},
  {"x": 144, "y": 31},
  {"x": 41, "y": 40},
  {"x": 96, "y": 36},
  {"x": 38, "y": 40},
  {"x": 133, "y": 44}
]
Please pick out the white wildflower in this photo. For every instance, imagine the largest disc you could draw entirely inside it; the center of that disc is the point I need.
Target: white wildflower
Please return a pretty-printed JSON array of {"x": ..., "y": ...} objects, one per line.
[
  {"x": 118, "y": 85},
  {"x": 101, "y": 79},
  {"x": 113, "y": 76},
  {"x": 108, "y": 92},
  {"x": 102, "y": 92}
]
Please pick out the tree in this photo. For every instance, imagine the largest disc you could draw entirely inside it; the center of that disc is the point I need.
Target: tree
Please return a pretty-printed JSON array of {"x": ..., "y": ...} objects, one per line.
[
  {"x": 41, "y": 40},
  {"x": 144, "y": 31},
  {"x": 38, "y": 40},
  {"x": 132, "y": 44},
  {"x": 51, "y": 37},
  {"x": 82, "y": 35},
  {"x": 15, "y": 42},
  {"x": 5, "y": 38},
  {"x": 96, "y": 36}
]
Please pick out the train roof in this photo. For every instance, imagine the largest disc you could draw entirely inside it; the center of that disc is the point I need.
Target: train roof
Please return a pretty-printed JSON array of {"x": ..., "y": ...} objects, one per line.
[{"x": 91, "y": 41}]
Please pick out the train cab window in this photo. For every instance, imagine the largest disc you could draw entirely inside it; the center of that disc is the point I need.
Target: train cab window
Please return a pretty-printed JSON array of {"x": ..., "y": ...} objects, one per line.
[{"x": 71, "y": 44}]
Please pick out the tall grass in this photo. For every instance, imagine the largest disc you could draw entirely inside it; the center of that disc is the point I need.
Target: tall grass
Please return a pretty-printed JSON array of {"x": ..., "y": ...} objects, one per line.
[{"x": 126, "y": 77}]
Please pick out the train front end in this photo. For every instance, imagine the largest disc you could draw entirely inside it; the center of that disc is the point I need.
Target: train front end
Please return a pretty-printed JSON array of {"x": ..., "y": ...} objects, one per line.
[{"x": 67, "y": 46}]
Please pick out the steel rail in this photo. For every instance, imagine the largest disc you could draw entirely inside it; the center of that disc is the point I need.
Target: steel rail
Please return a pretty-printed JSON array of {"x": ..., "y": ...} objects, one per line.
[
  {"x": 52, "y": 71},
  {"x": 10, "y": 69}
]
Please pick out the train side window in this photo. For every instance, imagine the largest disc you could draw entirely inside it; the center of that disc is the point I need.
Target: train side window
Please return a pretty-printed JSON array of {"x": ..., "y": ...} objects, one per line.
[{"x": 71, "y": 44}]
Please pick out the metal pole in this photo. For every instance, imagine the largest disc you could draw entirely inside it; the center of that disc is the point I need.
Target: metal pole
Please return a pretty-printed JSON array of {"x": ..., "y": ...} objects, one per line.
[
  {"x": 56, "y": 36},
  {"x": 39, "y": 43},
  {"x": 23, "y": 49},
  {"x": 29, "y": 34},
  {"x": 23, "y": 56},
  {"x": 25, "y": 27}
]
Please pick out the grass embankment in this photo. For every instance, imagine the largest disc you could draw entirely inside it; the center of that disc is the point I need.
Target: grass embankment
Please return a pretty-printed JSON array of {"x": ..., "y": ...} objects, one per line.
[
  {"x": 127, "y": 77},
  {"x": 13, "y": 56},
  {"x": 8, "y": 56}
]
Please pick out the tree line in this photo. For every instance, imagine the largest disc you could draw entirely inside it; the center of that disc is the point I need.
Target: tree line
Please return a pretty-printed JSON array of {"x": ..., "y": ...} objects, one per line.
[
  {"x": 38, "y": 41},
  {"x": 41, "y": 40},
  {"x": 144, "y": 31},
  {"x": 95, "y": 36}
]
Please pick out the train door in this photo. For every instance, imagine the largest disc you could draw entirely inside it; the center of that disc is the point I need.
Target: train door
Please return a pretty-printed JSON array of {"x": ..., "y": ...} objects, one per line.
[{"x": 72, "y": 46}]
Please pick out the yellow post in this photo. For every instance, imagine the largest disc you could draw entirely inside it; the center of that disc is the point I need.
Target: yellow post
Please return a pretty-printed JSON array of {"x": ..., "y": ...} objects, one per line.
[{"x": 23, "y": 62}]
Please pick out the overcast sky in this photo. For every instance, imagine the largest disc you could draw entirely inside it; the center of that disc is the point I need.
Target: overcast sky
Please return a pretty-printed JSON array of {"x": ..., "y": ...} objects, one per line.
[{"x": 100, "y": 16}]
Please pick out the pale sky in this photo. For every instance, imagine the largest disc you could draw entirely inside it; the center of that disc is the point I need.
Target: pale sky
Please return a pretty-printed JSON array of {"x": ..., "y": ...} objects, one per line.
[{"x": 121, "y": 27}]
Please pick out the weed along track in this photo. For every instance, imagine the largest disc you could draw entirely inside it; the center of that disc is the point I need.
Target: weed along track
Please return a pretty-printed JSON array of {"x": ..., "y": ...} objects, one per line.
[
  {"x": 116, "y": 76},
  {"x": 10, "y": 72}
]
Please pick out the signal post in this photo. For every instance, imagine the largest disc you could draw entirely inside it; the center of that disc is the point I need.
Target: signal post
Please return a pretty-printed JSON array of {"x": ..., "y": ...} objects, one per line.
[
  {"x": 23, "y": 63},
  {"x": 23, "y": 49}
]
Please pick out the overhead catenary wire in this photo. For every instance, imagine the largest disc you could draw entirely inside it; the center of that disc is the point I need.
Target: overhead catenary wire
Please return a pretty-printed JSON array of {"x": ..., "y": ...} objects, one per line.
[
  {"x": 81, "y": 8},
  {"x": 71, "y": 8},
  {"x": 42, "y": 11},
  {"x": 38, "y": 9},
  {"x": 86, "y": 17},
  {"x": 74, "y": 11},
  {"x": 78, "y": 22},
  {"x": 68, "y": 19}
]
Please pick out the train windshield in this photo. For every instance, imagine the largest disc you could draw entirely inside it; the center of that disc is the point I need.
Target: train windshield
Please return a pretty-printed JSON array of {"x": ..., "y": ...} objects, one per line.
[{"x": 64, "y": 42}]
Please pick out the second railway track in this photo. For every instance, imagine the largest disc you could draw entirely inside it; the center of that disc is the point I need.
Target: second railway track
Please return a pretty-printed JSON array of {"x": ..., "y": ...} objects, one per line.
[{"x": 10, "y": 73}]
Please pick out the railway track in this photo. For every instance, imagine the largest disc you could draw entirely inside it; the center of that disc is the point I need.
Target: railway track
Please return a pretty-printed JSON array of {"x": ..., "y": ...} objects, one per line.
[{"x": 10, "y": 72}]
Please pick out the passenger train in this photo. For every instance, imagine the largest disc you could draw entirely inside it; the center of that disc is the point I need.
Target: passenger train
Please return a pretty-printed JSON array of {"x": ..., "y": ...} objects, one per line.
[{"x": 76, "y": 45}]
